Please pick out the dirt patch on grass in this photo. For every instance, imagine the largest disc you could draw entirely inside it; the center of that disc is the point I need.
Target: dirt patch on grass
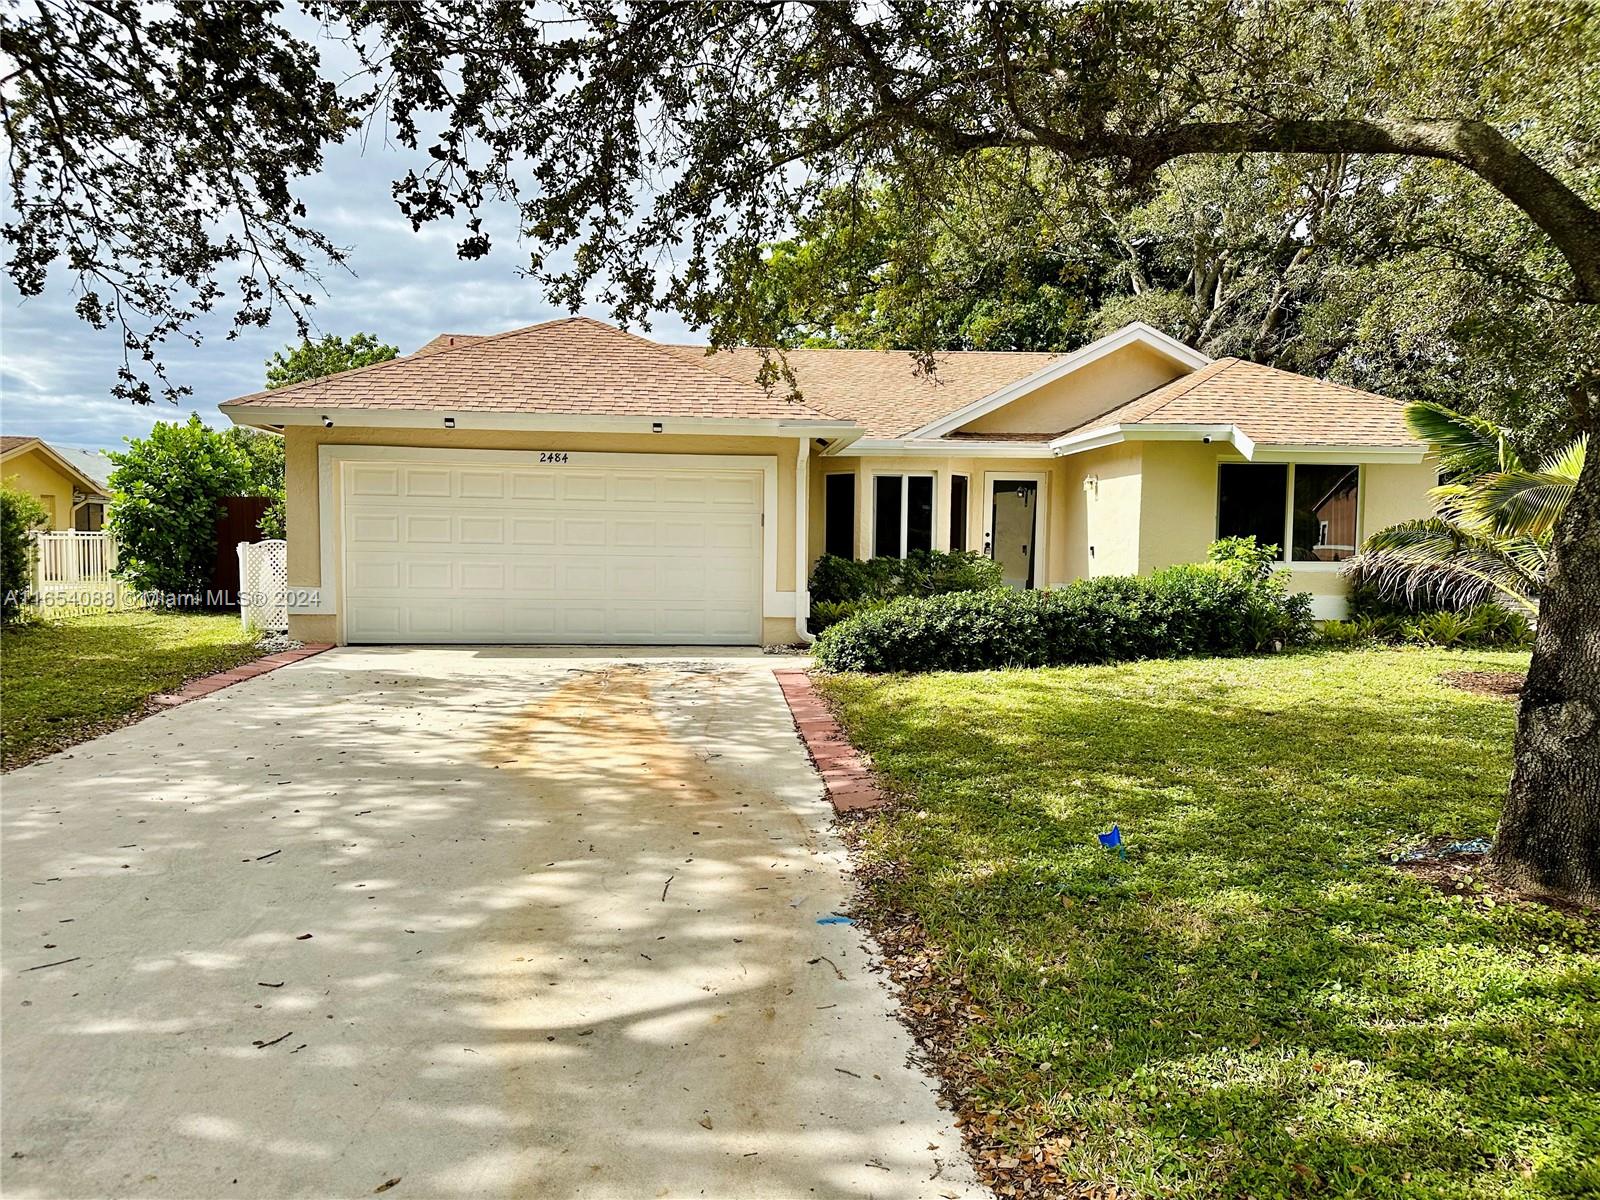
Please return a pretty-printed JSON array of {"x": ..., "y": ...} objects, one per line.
[
  {"x": 1505, "y": 684},
  {"x": 1463, "y": 869}
]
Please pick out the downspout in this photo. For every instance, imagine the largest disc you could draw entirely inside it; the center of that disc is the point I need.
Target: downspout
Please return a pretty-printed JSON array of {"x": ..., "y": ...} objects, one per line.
[{"x": 802, "y": 538}]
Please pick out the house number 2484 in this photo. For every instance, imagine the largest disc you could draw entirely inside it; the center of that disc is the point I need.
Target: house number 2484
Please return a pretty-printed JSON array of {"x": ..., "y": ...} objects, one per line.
[{"x": 552, "y": 456}]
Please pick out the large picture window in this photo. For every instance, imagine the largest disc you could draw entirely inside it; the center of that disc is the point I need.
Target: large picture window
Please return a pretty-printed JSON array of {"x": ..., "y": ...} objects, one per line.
[
  {"x": 1253, "y": 500},
  {"x": 839, "y": 515},
  {"x": 1250, "y": 501},
  {"x": 902, "y": 514},
  {"x": 1324, "y": 512}
]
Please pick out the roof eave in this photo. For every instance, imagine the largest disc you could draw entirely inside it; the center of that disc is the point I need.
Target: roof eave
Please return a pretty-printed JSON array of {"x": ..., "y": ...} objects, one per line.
[
  {"x": 275, "y": 418},
  {"x": 1253, "y": 451}
]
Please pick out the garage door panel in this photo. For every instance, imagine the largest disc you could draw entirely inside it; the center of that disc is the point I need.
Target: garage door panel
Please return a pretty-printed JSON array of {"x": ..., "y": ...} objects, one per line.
[
  {"x": 475, "y": 553},
  {"x": 425, "y": 482},
  {"x": 434, "y": 527},
  {"x": 429, "y": 574}
]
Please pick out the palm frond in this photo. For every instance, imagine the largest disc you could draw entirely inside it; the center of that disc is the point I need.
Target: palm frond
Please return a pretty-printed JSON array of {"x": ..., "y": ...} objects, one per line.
[
  {"x": 1568, "y": 461},
  {"x": 1435, "y": 559},
  {"x": 1467, "y": 445},
  {"x": 1524, "y": 503}
]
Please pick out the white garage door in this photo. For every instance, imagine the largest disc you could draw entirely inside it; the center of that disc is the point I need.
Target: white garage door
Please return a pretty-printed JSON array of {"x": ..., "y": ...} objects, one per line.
[{"x": 551, "y": 552}]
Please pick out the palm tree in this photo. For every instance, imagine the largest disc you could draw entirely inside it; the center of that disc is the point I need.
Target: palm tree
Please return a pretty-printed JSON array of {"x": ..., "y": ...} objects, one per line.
[{"x": 1490, "y": 537}]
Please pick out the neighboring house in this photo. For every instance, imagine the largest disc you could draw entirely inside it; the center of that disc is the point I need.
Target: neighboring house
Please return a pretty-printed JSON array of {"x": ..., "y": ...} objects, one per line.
[
  {"x": 570, "y": 482},
  {"x": 71, "y": 484}
]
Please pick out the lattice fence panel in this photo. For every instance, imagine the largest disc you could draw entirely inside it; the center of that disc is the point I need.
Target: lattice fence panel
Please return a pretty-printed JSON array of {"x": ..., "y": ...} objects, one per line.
[{"x": 264, "y": 585}]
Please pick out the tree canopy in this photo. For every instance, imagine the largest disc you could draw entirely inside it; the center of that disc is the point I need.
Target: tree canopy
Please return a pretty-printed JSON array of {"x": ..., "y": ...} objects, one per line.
[{"x": 329, "y": 355}]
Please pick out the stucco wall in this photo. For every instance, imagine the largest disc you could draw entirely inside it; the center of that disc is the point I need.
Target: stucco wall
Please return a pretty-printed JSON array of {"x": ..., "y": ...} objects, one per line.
[
  {"x": 302, "y": 503},
  {"x": 1087, "y": 392},
  {"x": 33, "y": 473},
  {"x": 1101, "y": 498}
]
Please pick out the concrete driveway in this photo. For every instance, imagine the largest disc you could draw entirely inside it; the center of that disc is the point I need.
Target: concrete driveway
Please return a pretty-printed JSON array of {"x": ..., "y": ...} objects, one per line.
[{"x": 485, "y": 921}]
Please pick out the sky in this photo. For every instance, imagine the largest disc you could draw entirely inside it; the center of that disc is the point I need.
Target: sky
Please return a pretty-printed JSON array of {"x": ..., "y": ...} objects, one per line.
[{"x": 56, "y": 372}]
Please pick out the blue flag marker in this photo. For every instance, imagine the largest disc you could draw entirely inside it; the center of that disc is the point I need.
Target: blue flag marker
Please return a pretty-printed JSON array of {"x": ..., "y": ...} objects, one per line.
[
  {"x": 835, "y": 919},
  {"x": 1113, "y": 841}
]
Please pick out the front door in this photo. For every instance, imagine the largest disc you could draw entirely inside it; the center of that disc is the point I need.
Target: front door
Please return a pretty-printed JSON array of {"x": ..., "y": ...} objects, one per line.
[{"x": 1014, "y": 528}]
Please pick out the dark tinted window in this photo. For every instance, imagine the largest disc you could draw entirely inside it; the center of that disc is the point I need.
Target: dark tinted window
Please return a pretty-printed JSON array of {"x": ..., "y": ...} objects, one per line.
[
  {"x": 919, "y": 512},
  {"x": 1250, "y": 501},
  {"x": 886, "y": 516},
  {"x": 958, "y": 512},
  {"x": 1324, "y": 513},
  {"x": 839, "y": 515}
]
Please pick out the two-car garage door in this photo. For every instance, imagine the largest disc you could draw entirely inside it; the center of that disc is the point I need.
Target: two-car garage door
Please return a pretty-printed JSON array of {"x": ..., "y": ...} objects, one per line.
[{"x": 551, "y": 548}]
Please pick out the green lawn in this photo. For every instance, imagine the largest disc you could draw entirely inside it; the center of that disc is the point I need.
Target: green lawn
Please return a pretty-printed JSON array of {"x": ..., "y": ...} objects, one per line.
[
  {"x": 1252, "y": 1002},
  {"x": 63, "y": 681}
]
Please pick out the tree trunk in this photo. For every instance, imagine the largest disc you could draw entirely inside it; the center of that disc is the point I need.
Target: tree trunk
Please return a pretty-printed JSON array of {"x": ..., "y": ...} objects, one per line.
[{"x": 1549, "y": 836}]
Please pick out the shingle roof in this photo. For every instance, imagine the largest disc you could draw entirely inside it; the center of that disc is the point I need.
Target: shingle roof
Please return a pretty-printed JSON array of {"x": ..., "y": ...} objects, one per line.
[
  {"x": 575, "y": 366},
  {"x": 445, "y": 340},
  {"x": 10, "y": 442},
  {"x": 1271, "y": 406},
  {"x": 882, "y": 389}
]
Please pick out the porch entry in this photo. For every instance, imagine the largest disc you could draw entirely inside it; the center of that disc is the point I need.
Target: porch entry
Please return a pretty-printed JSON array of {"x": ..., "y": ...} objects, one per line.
[{"x": 1014, "y": 529}]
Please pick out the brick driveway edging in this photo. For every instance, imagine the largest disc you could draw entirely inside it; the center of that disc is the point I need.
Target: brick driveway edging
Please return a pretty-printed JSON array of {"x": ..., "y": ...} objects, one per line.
[
  {"x": 845, "y": 774},
  {"x": 206, "y": 684}
]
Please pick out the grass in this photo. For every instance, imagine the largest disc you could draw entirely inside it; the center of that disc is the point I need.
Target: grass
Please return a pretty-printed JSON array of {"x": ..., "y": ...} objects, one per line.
[
  {"x": 64, "y": 681},
  {"x": 1253, "y": 1002}
]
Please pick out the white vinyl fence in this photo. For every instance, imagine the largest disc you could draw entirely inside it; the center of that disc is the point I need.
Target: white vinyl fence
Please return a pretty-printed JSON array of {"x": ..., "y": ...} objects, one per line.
[
  {"x": 264, "y": 585},
  {"x": 70, "y": 560}
]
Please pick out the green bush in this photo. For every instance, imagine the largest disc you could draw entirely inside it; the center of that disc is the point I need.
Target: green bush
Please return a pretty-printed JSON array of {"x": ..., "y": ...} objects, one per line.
[
  {"x": 1244, "y": 552},
  {"x": 827, "y": 613},
  {"x": 20, "y": 516},
  {"x": 920, "y": 573},
  {"x": 167, "y": 491},
  {"x": 1485, "y": 625},
  {"x": 1204, "y": 609}
]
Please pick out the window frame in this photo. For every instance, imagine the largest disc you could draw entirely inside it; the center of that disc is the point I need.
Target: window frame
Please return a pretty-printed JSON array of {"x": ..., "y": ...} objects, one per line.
[
  {"x": 905, "y": 508},
  {"x": 1289, "y": 561}
]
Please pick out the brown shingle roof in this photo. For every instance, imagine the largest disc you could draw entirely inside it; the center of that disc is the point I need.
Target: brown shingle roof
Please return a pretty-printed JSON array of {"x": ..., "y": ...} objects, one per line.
[
  {"x": 881, "y": 388},
  {"x": 1271, "y": 406},
  {"x": 11, "y": 442},
  {"x": 446, "y": 340},
  {"x": 575, "y": 366}
]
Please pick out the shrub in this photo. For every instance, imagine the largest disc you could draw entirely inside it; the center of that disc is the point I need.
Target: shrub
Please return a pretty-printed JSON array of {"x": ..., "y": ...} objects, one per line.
[
  {"x": 920, "y": 573},
  {"x": 1244, "y": 552},
  {"x": 827, "y": 613},
  {"x": 1204, "y": 609},
  {"x": 167, "y": 491},
  {"x": 1480, "y": 626},
  {"x": 20, "y": 516}
]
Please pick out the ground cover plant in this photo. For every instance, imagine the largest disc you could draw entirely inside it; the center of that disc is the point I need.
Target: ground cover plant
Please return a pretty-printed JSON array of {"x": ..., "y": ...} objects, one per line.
[{"x": 1246, "y": 997}]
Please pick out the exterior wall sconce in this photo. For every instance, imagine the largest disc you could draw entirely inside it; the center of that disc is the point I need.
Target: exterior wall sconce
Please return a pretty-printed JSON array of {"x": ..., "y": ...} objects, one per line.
[{"x": 449, "y": 422}]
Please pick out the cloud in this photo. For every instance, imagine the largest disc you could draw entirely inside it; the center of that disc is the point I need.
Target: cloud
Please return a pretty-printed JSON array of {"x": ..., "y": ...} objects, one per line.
[{"x": 56, "y": 372}]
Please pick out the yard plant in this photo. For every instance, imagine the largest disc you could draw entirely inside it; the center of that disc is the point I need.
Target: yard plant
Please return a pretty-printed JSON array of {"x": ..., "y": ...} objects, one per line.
[
  {"x": 1254, "y": 1000},
  {"x": 21, "y": 516},
  {"x": 1227, "y": 607}
]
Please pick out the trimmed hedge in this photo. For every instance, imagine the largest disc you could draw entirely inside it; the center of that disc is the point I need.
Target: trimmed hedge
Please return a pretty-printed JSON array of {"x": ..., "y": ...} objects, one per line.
[
  {"x": 842, "y": 587},
  {"x": 1201, "y": 609}
]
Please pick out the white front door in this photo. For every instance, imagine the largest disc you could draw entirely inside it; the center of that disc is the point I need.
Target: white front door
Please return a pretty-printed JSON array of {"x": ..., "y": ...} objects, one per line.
[
  {"x": 1014, "y": 528},
  {"x": 551, "y": 550}
]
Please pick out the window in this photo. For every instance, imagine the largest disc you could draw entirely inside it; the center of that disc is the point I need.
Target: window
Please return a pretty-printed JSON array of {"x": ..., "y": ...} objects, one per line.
[
  {"x": 958, "y": 512},
  {"x": 1250, "y": 501},
  {"x": 839, "y": 515},
  {"x": 1253, "y": 500},
  {"x": 1324, "y": 512},
  {"x": 902, "y": 514}
]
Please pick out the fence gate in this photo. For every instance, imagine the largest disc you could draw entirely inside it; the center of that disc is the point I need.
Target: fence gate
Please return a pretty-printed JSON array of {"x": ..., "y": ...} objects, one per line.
[{"x": 264, "y": 585}]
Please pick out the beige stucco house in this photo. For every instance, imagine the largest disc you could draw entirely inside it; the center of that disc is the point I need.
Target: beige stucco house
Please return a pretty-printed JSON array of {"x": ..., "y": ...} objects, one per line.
[
  {"x": 570, "y": 482},
  {"x": 69, "y": 483}
]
